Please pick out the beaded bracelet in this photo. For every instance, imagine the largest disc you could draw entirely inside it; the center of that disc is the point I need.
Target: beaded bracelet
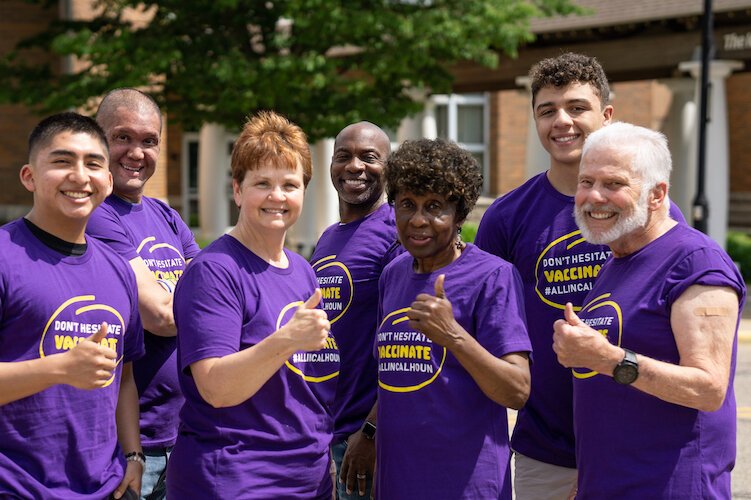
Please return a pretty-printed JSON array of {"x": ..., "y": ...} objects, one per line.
[{"x": 136, "y": 456}]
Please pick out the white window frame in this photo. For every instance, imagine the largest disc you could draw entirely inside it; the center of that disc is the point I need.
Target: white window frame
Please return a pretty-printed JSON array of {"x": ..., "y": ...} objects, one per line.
[{"x": 452, "y": 103}]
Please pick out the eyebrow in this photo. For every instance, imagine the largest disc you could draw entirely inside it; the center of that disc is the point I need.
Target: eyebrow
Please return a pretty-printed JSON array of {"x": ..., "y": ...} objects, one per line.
[
  {"x": 88, "y": 156},
  {"x": 570, "y": 101}
]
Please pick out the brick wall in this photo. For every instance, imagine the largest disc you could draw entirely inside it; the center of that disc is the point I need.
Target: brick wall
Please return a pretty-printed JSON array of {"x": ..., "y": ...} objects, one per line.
[
  {"x": 739, "y": 130},
  {"x": 18, "y": 20}
]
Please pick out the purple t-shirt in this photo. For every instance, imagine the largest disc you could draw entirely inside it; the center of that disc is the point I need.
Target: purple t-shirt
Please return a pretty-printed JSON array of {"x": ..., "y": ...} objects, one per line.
[
  {"x": 156, "y": 233},
  {"x": 348, "y": 260},
  {"x": 62, "y": 441},
  {"x": 438, "y": 435},
  {"x": 533, "y": 228},
  {"x": 630, "y": 444},
  {"x": 275, "y": 444}
]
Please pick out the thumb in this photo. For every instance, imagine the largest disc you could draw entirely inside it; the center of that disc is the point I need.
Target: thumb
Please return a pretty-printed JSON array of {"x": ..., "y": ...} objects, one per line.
[
  {"x": 438, "y": 287},
  {"x": 571, "y": 317},
  {"x": 313, "y": 300},
  {"x": 100, "y": 334}
]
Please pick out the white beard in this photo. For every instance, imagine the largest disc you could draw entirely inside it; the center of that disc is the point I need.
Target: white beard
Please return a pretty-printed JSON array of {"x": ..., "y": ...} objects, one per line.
[{"x": 625, "y": 224}]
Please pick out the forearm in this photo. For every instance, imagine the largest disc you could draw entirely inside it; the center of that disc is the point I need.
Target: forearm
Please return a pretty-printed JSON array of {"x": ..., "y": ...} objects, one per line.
[
  {"x": 682, "y": 385},
  {"x": 156, "y": 314},
  {"x": 20, "y": 379},
  {"x": 127, "y": 413},
  {"x": 233, "y": 379},
  {"x": 506, "y": 383}
]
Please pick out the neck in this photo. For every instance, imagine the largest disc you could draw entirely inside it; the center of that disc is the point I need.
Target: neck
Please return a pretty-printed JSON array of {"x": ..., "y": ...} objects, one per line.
[
  {"x": 268, "y": 246},
  {"x": 130, "y": 198},
  {"x": 657, "y": 225},
  {"x": 71, "y": 231},
  {"x": 430, "y": 264},
  {"x": 350, "y": 213},
  {"x": 563, "y": 177}
]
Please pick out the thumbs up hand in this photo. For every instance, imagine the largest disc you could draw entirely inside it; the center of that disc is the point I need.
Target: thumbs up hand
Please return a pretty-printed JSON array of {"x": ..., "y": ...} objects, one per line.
[
  {"x": 433, "y": 315},
  {"x": 309, "y": 327},
  {"x": 578, "y": 345},
  {"x": 91, "y": 363}
]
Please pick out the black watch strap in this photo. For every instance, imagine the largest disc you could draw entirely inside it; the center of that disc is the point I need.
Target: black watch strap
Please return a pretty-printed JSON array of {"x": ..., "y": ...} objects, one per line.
[{"x": 369, "y": 429}]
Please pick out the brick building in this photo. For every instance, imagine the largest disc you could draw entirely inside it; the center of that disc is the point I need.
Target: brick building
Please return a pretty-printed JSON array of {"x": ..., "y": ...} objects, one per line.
[{"x": 646, "y": 47}]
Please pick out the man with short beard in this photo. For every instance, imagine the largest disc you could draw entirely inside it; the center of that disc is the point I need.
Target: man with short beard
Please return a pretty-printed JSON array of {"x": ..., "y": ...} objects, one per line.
[
  {"x": 533, "y": 228},
  {"x": 652, "y": 350},
  {"x": 348, "y": 261}
]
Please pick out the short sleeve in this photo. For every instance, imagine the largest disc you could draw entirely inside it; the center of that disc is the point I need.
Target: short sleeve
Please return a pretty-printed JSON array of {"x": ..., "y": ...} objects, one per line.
[
  {"x": 499, "y": 314},
  {"x": 706, "y": 266},
  {"x": 491, "y": 235},
  {"x": 106, "y": 227},
  {"x": 208, "y": 308},
  {"x": 188, "y": 241}
]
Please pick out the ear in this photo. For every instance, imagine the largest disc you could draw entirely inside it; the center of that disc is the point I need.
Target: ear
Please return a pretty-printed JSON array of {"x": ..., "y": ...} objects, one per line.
[
  {"x": 607, "y": 114},
  {"x": 657, "y": 196},
  {"x": 236, "y": 192},
  {"x": 27, "y": 177},
  {"x": 111, "y": 185}
]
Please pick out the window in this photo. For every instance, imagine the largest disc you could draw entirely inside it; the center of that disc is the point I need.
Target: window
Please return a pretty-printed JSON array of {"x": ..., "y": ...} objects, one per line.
[{"x": 464, "y": 119}]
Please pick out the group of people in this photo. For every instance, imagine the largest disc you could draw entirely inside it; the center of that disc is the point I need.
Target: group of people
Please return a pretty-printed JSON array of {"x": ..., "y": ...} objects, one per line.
[{"x": 586, "y": 302}]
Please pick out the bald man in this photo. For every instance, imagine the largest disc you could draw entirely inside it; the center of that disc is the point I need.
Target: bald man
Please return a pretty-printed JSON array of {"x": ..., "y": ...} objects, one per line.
[
  {"x": 348, "y": 261},
  {"x": 158, "y": 245}
]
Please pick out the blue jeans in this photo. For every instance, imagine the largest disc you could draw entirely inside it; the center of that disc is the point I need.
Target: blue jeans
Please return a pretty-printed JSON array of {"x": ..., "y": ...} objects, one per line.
[
  {"x": 337, "y": 453},
  {"x": 153, "y": 483}
]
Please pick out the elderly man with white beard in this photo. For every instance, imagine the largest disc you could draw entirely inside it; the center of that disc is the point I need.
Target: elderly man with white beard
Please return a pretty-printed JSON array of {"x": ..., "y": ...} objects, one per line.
[{"x": 653, "y": 349}]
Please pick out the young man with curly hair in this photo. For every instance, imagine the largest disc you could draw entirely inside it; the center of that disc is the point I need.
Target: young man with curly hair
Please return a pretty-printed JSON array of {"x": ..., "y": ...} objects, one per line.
[{"x": 570, "y": 100}]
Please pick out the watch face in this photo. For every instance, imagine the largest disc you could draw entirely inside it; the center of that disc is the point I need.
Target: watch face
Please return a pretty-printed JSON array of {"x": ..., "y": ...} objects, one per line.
[{"x": 625, "y": 374}]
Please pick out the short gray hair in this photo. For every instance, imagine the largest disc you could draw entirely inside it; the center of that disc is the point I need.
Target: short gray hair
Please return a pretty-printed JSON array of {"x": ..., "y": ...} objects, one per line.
[{"x": 647, "y": 149}]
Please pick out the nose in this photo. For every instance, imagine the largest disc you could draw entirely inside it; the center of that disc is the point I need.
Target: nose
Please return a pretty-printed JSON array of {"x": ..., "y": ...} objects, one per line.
[
  {"x": 355, "y": 165},
  {"x": 418, "y": 219},
  {"x": 136, "y": 153},
  {"x": 277, "y": 194},
  {"x": 562, "y": 119},
  {"x": 78, "y": 173},
  {"x": 595, "y": 195}
]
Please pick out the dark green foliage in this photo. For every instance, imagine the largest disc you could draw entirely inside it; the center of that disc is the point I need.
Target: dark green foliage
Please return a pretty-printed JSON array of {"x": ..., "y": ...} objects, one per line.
[
  {"x": 325, "y": 64},
  {"x": 739, "y": 249}
]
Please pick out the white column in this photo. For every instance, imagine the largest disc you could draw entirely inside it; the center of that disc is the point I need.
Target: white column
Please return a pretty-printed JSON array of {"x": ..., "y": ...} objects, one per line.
[
  {"x": 717, "y": 169},
  {"x": 213, "y": 178},
  {"x": 321, "y": 204},
  {"x": 680, "y": 129},
  {"x": 429, "y": 123},
  {"x": 537, "y": 160}
]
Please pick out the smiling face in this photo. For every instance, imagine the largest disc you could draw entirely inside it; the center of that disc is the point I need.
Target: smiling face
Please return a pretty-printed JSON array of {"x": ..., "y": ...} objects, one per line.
[
  {"x": 360, "y": 153},
  {"x": 69, "y": 178},
  {"x": 611, "y": 202},
  {"x": 270, "y": 198},
  {"x": 564, "y": 117},
  {"x": 427, "y": 228},
  {"x": 133, "y": 135}
]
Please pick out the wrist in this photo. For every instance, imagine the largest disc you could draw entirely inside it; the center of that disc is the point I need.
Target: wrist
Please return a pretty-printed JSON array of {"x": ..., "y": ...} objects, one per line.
[{"x": 137, "y": 457}]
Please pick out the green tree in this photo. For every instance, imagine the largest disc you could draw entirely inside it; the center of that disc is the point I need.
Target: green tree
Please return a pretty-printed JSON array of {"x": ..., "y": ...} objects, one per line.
[{"x": 323, "y": 63}]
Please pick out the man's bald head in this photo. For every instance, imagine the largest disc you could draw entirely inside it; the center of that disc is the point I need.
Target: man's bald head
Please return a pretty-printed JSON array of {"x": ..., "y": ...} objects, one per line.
[
  {"x": 129, "y": 98},
  {"x": 360, "y": 153},
  {"x": 376, "y": 135}
]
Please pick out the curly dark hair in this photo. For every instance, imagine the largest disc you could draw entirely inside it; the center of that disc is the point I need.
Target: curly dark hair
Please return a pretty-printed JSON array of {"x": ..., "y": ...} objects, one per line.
[
  {"x": 567, "y": 68},
  {"x": 435, "y": 166}
]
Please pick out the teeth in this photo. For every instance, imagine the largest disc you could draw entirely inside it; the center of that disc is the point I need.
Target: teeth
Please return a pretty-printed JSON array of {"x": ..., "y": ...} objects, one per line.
[
  {"x": 274, "y": 210},
  {"x": 131, "y": 169},
  {"x": 601, "y": 215},
  {"x": 567, "y": 138},
  {"x": 76, "y": 194}
]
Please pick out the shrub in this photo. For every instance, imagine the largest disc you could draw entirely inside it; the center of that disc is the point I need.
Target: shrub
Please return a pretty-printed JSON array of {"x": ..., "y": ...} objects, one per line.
[
  {"x": 469, "y": 231},
  {"x": 739, "y": 248}
]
